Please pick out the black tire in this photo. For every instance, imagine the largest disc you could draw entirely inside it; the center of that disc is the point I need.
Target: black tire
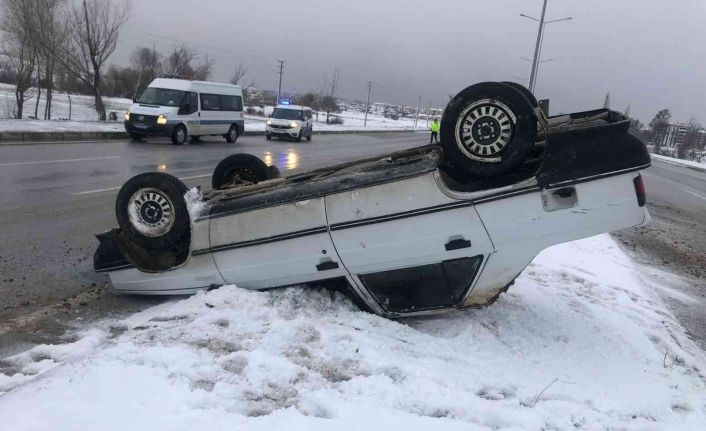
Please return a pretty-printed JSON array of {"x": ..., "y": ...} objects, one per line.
[
  {"x": 151, "y": 210},
  {"x": 268, "y": 137},
  {"x": 299, "y": 137},
  {"x": 502, "y": 131},
  {"x": 272, "y": 172},
  {"x": 179, "y": 135},
  {"x": 232, "y": 134},
  {"x": 136, "y": 137},
  {"x": 308, "y": 136},
  {"x": 525, "y": 92},
  {"x": 246, "y": 166}
]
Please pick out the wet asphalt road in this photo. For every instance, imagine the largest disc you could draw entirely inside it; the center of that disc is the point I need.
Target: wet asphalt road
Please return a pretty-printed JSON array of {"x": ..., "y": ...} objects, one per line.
[{"x": 55, "y": 197}]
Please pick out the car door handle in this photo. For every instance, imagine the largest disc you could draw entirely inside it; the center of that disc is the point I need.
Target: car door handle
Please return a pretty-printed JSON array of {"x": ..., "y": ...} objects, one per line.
[
  {"x": 457, "y": 244},
  {"x": 327, "y": 266}
]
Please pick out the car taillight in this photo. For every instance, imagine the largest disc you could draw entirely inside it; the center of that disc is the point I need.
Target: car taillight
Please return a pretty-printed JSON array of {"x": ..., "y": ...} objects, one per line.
[{"x": 640, "y": 190}]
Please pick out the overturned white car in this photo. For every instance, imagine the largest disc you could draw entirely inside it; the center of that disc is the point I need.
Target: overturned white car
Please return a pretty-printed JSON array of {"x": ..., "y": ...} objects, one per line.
[{"x": 424, "y": 230}]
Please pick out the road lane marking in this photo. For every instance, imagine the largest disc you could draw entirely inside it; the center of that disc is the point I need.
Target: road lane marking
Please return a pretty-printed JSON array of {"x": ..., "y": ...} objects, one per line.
[
  {"x": 46, "y": 162},
  {"x": 112, "y": 189},
  {"x": 696, "y": 194}
]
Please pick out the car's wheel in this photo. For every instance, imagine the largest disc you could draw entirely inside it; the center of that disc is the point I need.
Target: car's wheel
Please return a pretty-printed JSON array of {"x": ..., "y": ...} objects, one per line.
[
  {"x": 488, "y": 129},
  {"x": 299, "y": 137},
  {"x": 179, "y": 135},
  {"x": 232, "y": 134},
  {"x": 525, "y": 91},
  {"x": 151, "y": 210},
  {"x": 308, "y": 136},
  {"x": 268, "y": 137},
  {"x": 239, "y": 168},
  {"x": 136, "y": 137}
]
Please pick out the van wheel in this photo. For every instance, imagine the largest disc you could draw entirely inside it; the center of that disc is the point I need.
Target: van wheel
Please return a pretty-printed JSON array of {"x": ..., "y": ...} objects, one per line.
[
  {"x": 488, "y": 129},
  {"x": 232, "y": 135},
  {"x": 179, "y": 135},
  {"x": 308, "y": 136},
  {"x": 136, "y": 137},
  {"x": 239, "y": 169},
  {"x": 151, "y": 210}
]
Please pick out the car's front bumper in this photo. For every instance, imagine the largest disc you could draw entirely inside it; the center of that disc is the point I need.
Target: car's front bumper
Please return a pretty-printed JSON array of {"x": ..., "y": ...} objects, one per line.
[
  {"x": 142, "y": 128},
  {"x": 292, "y": 132}
]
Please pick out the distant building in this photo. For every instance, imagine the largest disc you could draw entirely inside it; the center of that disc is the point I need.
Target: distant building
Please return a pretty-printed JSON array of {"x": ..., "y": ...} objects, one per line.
[{"x": 676, "y": 132}]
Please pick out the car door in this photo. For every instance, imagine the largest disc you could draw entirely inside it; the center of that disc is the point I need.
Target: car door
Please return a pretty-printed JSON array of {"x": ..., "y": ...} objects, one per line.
[
  {"x": 210, "y": 114},
  {"x": 275, "y": 246},
  {"x": 408, "y": 246}
]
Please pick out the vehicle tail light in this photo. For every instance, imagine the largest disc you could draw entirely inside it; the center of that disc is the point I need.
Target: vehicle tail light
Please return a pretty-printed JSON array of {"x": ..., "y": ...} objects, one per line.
[{"x": 640, "y": 190}]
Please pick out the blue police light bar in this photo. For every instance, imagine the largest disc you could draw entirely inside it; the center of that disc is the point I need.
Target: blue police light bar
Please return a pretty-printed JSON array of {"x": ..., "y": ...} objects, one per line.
[{"x": 285, "y": 102}]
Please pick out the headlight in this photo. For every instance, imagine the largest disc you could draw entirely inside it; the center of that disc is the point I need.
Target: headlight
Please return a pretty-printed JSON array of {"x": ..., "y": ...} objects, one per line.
[
  {"x": 269, "y": 122},
  {"x": 127, "y": 116},
  {"x": 294, "y": 124},
  {"x": 162, "y": 120}
]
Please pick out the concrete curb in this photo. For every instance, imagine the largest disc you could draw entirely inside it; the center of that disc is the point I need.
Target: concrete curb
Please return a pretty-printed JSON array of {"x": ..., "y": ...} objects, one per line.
[{"x": 29, "y": 138}]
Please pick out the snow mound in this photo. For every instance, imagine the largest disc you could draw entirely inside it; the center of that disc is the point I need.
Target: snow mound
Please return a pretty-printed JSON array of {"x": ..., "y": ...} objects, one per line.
[
  {"x": 195, "y": 203},
  {"x": 577, "y": 343}
]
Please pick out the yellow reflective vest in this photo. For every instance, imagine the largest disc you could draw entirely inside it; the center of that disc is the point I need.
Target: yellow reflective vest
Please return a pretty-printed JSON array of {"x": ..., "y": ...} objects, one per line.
[{"x": 435, "y": 126}]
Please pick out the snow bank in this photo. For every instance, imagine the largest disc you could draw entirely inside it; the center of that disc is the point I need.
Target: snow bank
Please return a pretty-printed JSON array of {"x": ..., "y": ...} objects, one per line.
[
  {"x": 681, "y": 162},
  {"x": 577, "y": 343}
]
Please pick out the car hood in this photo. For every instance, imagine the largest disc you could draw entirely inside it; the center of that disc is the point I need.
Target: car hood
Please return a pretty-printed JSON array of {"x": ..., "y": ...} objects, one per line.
[
  {"x": 142, "y": 109},
  {"x": 280, "y": 122}
]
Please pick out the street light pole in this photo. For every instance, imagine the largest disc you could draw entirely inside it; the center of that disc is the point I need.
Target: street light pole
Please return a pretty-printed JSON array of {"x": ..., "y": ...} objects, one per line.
[
  {"x": 367, "y": 104},
  {"x": 281, "y": 72},
  {"x": 535, "y": 60},
  {"x": 416, "y": 118},
  {"x": 538, "y": 45}
]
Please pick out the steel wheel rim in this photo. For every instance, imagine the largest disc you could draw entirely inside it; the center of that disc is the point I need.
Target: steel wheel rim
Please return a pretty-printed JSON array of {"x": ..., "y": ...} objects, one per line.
[
  {"x": 181, "y": 136},
  {"x": 151, "y": 212},
  {"x": 232, "y": 134},
  {"x": 484, "y": 129}
]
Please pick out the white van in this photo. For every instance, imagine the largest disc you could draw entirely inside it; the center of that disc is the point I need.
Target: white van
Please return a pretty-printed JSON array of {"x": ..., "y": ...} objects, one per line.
[
  {"x": 179, "y": 108},
  {"x": 290, "y": 121}
]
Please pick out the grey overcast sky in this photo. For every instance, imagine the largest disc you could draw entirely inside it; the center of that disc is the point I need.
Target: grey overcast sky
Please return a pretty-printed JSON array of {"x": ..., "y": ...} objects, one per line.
[{"x": 646, "y": 53}]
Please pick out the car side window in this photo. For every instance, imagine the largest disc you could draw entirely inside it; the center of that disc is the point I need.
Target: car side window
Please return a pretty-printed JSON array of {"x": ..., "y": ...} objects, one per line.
[
  {"x": 210, "y": 102},
  {"x": 423, "y": 287}
]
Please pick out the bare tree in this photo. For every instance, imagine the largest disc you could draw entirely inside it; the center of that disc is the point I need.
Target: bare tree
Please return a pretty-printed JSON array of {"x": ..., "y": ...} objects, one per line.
[
  {"x": 239, "y": 74},
  {"x": 148, "y": 62},
  {"x": 328, "y": 101},
  {"x": 95, "y": 26},
  {"x": 19, "y": 48},
  {"x": 658, "y": 128},
  {"x": 204, "y": 69},
  {"x": 184, "y": 62}
]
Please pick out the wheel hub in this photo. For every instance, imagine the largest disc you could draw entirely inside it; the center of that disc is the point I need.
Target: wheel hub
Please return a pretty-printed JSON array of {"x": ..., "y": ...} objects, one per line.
[
  {"x": 153, "y": 212},
  {"x": 484, "y": 129}
]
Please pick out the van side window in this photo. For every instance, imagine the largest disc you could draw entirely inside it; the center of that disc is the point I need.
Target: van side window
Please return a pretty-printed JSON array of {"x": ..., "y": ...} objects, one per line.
[
  {"x": 308, "y": 115},
  {"x": 210, "y": 102},
  {"x": 191, "y": 99},
  {"x": 231, "y": 103}
]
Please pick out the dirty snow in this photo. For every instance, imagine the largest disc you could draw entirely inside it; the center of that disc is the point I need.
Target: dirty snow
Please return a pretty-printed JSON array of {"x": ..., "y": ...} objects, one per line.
[
  {"x": 578, "y": 342},
  {"x": 195, "y": 203}
]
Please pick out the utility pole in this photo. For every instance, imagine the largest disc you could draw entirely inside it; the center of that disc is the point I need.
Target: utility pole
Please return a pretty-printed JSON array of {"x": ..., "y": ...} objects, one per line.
[
  {"x": 428, "y": 113},
  {"x": 281, "y": 72},
  {"x": 416, "y": 118},
  {"x": 538, "y": 45},
  {"x": 367, "y": 104}
]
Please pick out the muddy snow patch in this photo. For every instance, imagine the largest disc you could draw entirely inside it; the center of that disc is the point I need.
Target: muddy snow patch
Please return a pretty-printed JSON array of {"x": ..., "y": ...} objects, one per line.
[{"x": 577, "y": 343}]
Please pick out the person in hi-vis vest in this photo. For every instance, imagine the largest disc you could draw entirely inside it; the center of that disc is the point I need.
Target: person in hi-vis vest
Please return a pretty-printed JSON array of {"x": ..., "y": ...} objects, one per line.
[{"x": 435, "y": 127}]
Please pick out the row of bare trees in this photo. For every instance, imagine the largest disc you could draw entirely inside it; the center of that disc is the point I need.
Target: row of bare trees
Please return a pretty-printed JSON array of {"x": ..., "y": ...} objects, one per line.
[
  {"x": 43, "y": 40},
  {"x": 688, "y": 143}
]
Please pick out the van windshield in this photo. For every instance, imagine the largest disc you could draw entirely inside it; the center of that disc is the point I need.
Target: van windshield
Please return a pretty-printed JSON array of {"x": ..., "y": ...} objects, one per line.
[
  {"x": 161, "y": 97},
  {"x": 287, "y": 114}
]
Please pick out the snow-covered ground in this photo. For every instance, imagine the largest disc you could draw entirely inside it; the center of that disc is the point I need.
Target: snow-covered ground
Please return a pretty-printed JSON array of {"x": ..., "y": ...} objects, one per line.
[
  {"x": 579, "y": 342},
  {"x": 84, "y": 117},
  {"x": 681, "y": 162}
]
